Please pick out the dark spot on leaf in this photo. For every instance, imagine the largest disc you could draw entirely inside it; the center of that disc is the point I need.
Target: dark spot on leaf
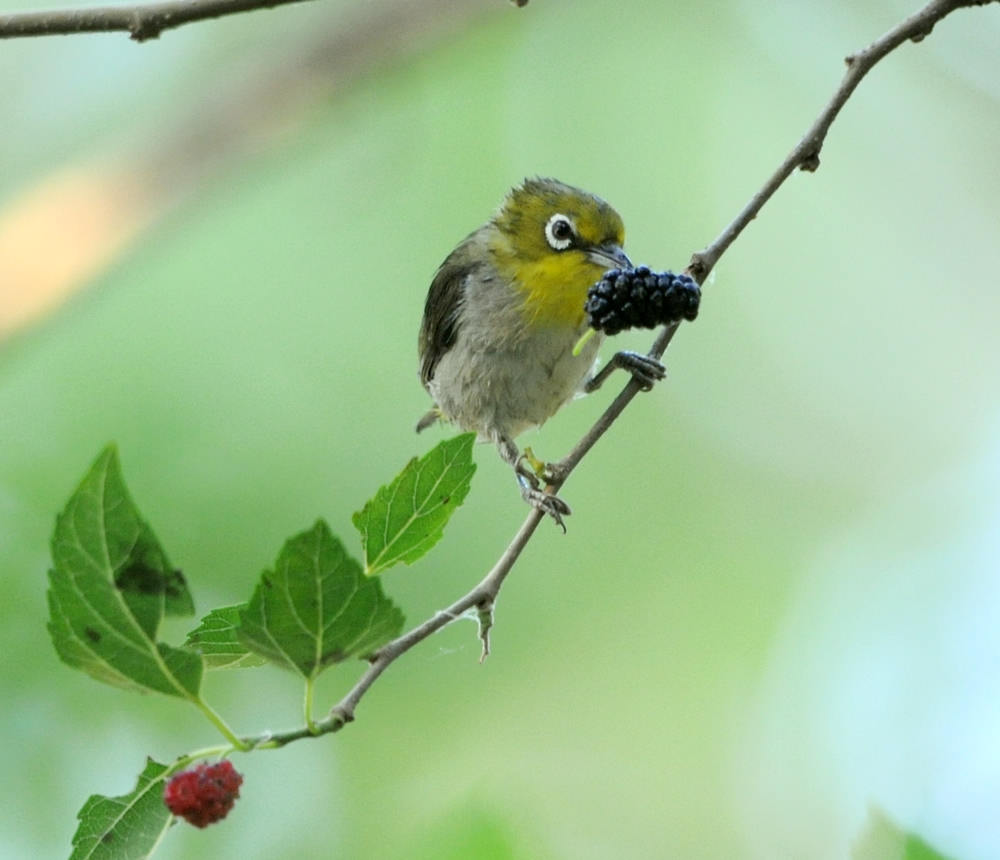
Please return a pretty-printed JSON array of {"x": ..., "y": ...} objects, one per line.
[
  {"x": 267, "y": 581},
  {"x": 139, "y": 578},
  {"x": 107, "y": 836},
  {"x": 174, "y": 584},
  {"x": 445, "y": 500},
  {"x": 92, "y": 634}
]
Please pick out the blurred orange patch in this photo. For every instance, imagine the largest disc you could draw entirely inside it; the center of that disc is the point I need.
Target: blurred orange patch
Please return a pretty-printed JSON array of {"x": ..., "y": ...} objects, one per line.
[{"x": 60, "y": 234}]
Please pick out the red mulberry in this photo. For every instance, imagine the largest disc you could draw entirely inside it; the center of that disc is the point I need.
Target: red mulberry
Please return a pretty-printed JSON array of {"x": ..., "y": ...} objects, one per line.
[{"x": 204, "y": 794}]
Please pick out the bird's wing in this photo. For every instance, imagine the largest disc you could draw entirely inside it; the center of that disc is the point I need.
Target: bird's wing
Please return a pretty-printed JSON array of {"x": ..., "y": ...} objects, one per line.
[{"x": 441, "y": 315}]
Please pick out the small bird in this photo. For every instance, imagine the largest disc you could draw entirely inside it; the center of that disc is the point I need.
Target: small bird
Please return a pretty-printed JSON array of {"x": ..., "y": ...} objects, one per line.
[{"x": 504, "y": 313}]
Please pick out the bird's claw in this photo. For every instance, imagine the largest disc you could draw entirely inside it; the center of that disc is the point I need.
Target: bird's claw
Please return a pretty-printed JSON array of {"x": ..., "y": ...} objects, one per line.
[
  {"x": 551, "y": 505},
  {"x": 645, "y": 370},
  {"x": 531, "y": 473},
  {"x": 545, "y": 502}
]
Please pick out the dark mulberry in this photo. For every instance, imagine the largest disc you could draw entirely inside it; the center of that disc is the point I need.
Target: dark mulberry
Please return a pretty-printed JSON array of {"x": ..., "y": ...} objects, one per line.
[{"x": 640, "y": 298}]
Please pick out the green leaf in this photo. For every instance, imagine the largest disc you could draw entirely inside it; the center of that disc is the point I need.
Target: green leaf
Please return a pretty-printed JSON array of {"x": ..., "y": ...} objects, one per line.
[
  {"x": 316, "y": 607},
  {"x": 111, "y": 585},
  {"x": 218, "y": 642},
  {"x": 126, "y": 827},
  {"x": 883, "y": 839},
  {"x": 407, "y": 517}
]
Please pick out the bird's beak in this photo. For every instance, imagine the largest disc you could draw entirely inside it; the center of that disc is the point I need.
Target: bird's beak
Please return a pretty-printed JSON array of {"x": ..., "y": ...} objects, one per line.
[{"x": 609, "y": 256}]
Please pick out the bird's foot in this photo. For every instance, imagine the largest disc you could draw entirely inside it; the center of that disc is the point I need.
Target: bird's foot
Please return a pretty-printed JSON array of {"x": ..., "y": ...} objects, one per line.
[
  {"x": 645, "y": 370},
  {"x": 547, "y": 503},
  {"x": 531, "y": 473}
]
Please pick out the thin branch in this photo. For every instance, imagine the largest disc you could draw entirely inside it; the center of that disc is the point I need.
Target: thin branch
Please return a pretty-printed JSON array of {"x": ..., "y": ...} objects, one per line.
[
  {"x": 805, "y": 156},
  {"x": 140, "y": 22},
  {"x": 483, "y": 596}
]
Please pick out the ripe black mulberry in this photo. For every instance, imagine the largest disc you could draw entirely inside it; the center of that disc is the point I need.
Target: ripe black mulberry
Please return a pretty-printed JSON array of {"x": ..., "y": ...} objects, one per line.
[{"x": 640, "y": 298}]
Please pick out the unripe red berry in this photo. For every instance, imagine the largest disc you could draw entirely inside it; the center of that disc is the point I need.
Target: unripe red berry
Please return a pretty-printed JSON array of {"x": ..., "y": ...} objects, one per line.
[{"x": 205, "y": 794}]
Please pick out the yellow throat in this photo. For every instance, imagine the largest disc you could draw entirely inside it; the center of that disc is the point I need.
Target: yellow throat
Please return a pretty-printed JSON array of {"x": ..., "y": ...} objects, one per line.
[{"x": 552, "y": 242}]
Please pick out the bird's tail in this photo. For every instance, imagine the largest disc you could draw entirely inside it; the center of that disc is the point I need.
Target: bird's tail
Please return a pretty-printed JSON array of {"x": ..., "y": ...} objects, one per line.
[{"x": 431, "y": 417}]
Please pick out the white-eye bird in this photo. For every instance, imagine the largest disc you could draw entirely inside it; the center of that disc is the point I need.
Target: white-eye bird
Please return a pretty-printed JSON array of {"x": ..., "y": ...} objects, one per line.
[{"x": 504, "y": 312}]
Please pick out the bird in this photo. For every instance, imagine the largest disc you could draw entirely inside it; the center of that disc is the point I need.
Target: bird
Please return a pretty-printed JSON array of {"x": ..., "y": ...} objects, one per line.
[{"x": 504, "y": 316}]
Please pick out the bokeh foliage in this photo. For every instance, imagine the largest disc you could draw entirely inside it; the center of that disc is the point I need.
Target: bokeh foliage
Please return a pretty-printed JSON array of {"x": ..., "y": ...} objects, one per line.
[{"x": 776, "y": 604}]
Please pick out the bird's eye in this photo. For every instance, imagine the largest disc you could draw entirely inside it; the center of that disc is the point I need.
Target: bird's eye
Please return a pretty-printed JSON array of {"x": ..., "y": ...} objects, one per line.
[{"x": 559, "y": 232}]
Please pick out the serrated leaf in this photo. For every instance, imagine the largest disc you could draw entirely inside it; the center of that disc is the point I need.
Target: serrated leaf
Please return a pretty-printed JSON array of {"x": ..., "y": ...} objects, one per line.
[
  {"x": 407, "y": 517},
  {"x": 218, "y": 642},
  {"x": 111, "y": 585},
  {"x": 128, "y": 827},
  {"x": 316, "y": 607}
]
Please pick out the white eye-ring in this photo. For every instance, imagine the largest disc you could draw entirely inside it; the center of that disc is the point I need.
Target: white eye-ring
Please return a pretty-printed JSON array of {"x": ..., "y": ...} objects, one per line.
[{"x": 560, "y": 232}]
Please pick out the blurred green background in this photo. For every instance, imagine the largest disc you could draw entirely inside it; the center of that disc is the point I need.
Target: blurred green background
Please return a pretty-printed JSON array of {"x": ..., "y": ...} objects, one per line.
[{"x": 777, "y": 604}]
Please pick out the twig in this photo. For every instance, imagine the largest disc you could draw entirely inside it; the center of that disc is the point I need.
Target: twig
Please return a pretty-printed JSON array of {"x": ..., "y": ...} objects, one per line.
[
  {"x": 483, "y": 596},
  {"x": 805, "y": 155},
  {"x": 140, "y": 22}
]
